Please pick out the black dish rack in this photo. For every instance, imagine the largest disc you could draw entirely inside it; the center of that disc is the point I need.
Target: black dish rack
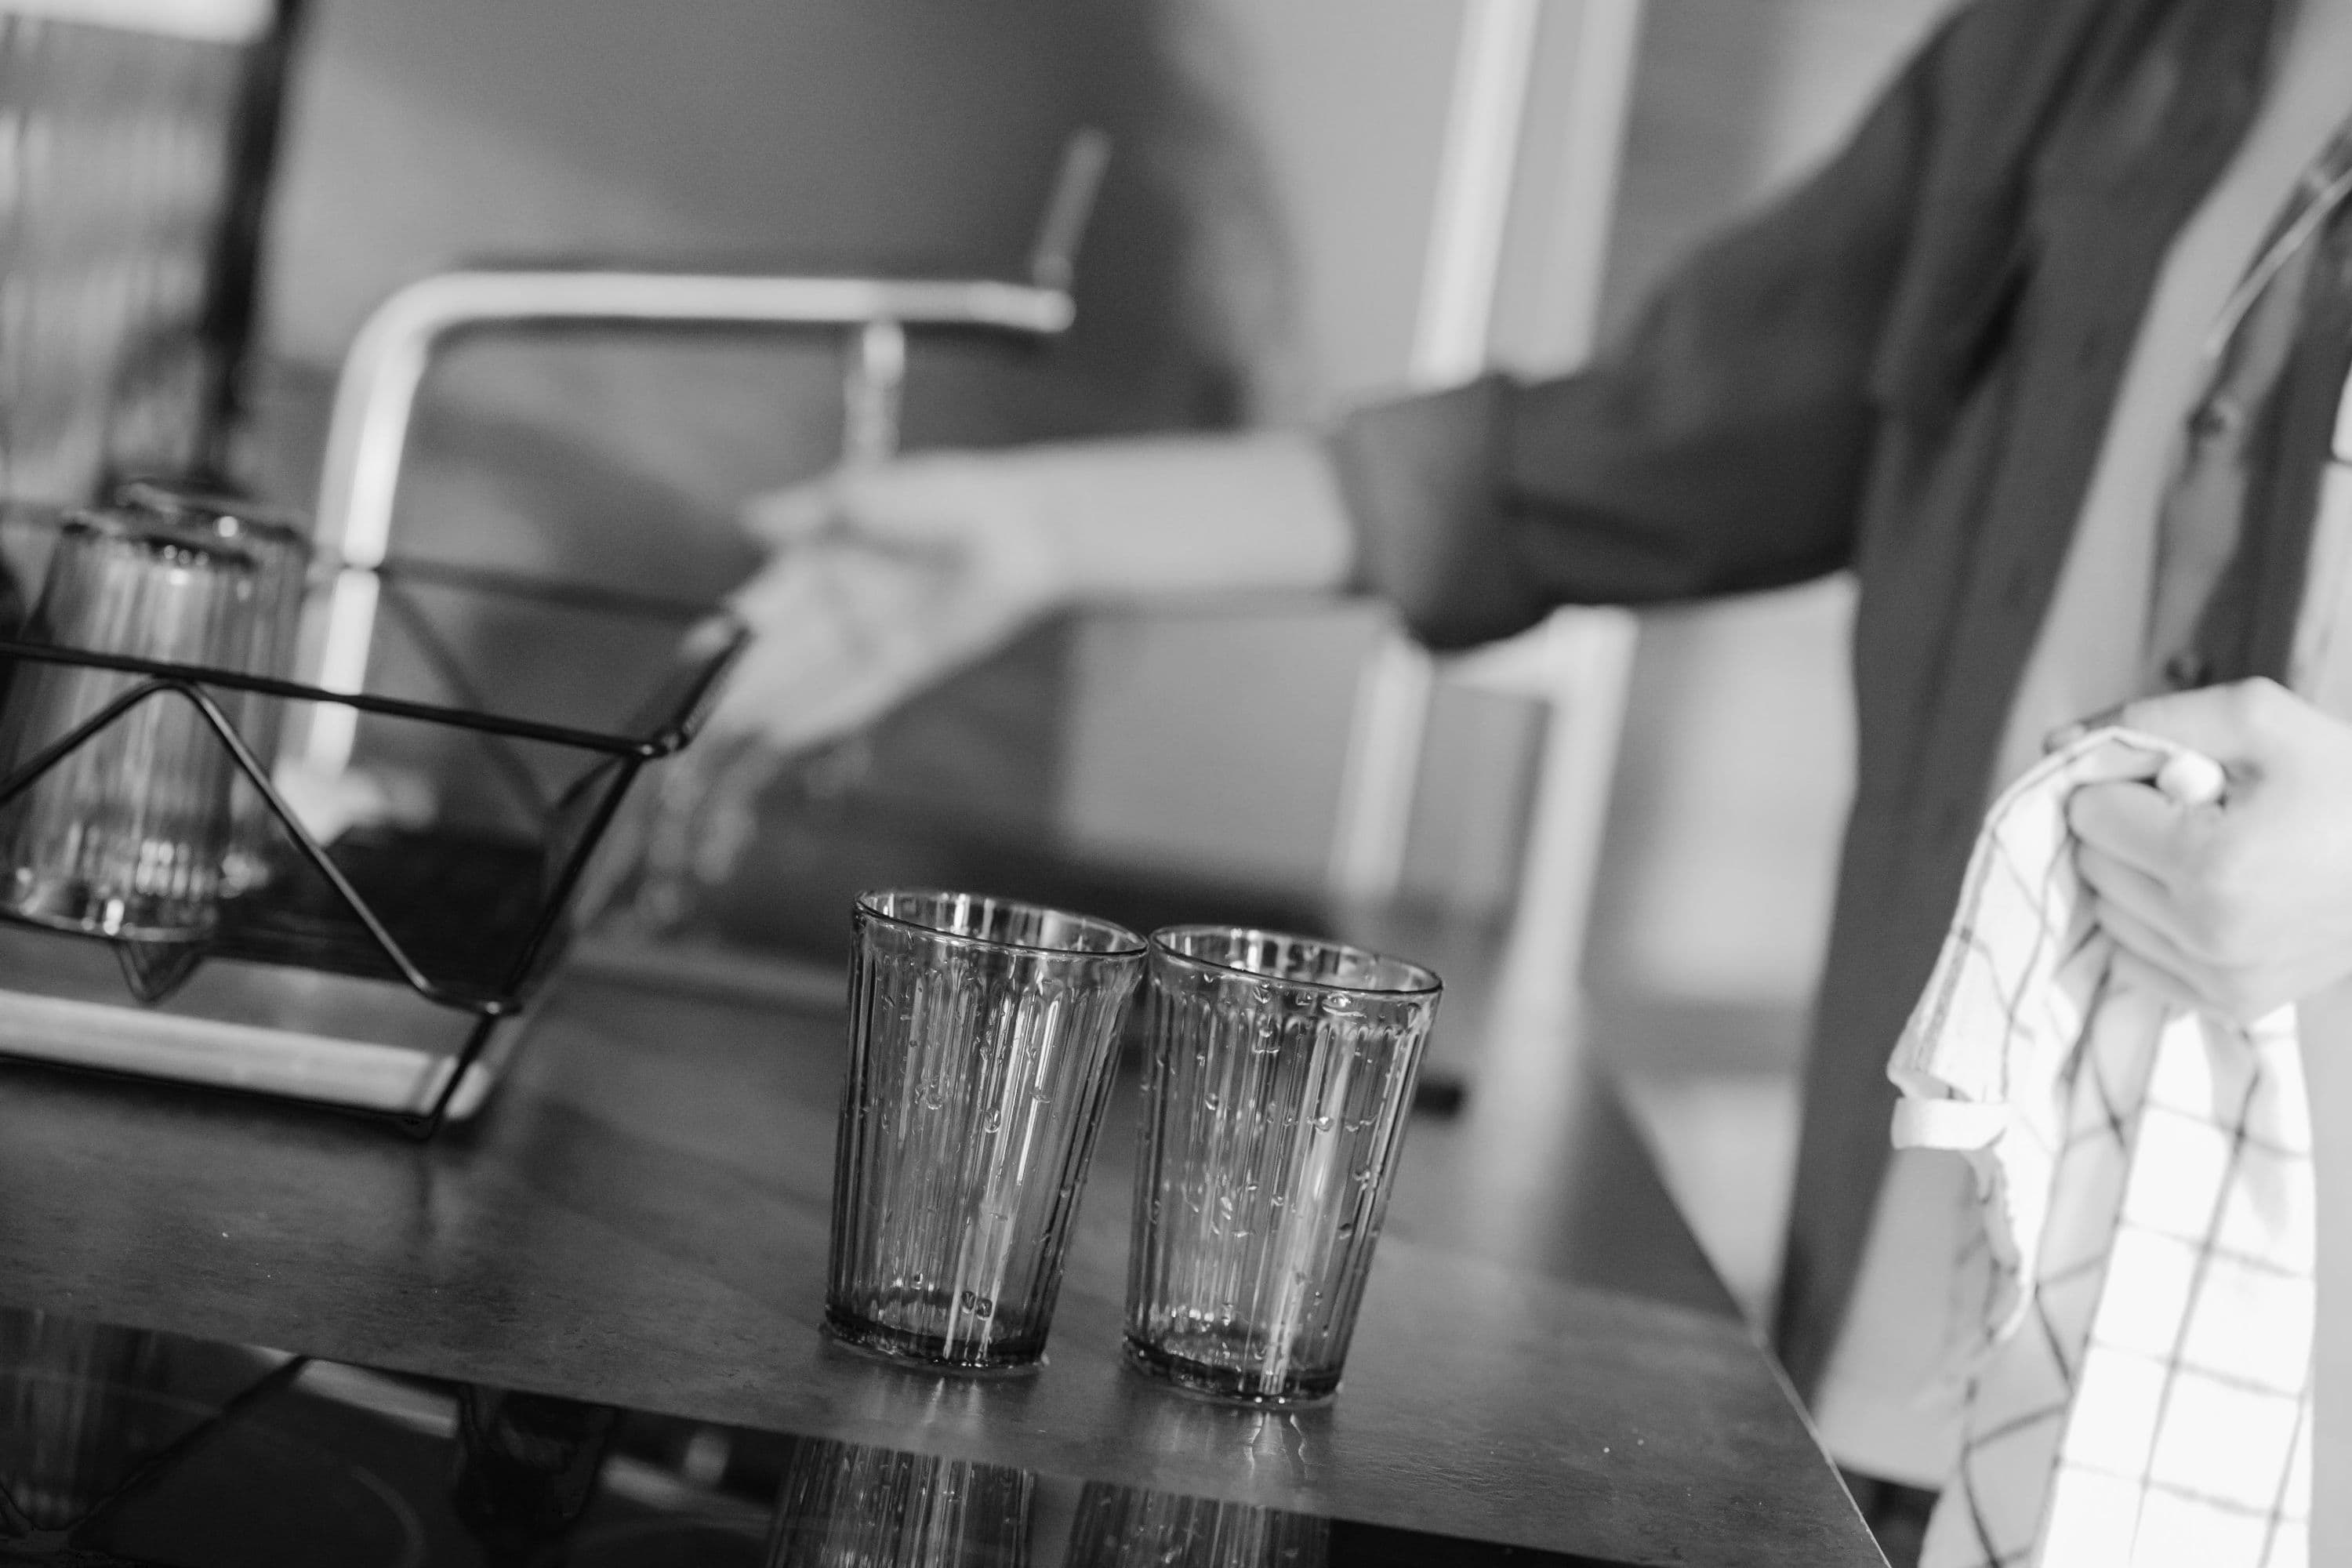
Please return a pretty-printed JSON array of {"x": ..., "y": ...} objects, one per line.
[{"x": 385, "y": 973}]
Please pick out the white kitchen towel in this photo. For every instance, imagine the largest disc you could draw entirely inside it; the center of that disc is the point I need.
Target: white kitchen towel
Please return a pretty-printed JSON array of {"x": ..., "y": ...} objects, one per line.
[{"x": 2134, "y": 1357}]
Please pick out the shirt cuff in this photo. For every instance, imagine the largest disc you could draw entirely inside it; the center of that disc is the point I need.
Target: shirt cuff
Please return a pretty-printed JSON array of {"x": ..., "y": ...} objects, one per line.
[{"x": 1435, "y": 537}]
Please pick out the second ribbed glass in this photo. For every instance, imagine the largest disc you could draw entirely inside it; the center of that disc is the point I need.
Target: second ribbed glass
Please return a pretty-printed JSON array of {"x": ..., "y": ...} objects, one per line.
[
  {"x": 981, "y": 1038},
  {"x": 1280, "y": 1076}
]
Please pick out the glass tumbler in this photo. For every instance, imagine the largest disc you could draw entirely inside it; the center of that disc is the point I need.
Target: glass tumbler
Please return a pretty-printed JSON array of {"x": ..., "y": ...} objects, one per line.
[
  {"x": 981, "y": 1038},
  {"x": 1275, "y": 1093},
  {"x": 126, "y": 834},
  {"x": 280, "y": 549}
]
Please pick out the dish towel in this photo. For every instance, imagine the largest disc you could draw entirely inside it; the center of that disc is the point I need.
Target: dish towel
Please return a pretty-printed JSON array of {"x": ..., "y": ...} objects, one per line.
[{"x": 2132, "y": 1348}]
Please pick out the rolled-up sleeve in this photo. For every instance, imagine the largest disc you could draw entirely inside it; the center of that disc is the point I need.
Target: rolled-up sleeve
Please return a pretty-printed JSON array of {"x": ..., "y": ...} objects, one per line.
[{"x": 1721, "y": 448}]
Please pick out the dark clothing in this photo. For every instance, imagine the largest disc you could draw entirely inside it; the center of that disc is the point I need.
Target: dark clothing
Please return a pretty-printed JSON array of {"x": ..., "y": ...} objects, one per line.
[
  {"x": 1897, "y": 1516},
  {"x": 1904, "y": 369}
]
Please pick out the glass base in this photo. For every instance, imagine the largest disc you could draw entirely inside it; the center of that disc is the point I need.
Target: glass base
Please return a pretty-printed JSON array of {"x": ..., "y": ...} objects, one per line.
[
  {"x": 65, "y": 904},
  {"x": 905, "y": 1348},
  {"x": 1228, "y": 1384}
]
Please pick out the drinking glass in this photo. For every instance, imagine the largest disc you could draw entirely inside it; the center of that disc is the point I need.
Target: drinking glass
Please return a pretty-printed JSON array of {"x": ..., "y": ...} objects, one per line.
[
  {"x": 981, "y": 1036},
  {"x": 847, "y": 1505},
  {"x": 1280, "y": 1076},
  {"x": 125, "y": 834},
  {"x": 1126, "y": 1527},
  {"x": 280, "y": 547}
]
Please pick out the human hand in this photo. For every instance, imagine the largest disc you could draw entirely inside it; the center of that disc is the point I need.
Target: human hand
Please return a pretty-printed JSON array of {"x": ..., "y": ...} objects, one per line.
[
  {"x": 2240, "y": 906},
  {"x": 885, "y": 580},
  {"x": 881, "y": 581}
]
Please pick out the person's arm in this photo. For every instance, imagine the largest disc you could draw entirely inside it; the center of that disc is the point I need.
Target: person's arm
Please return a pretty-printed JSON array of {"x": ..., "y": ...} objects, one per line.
[
  {"x": 1722, "y": 448},
  {"x": 1079, "y": 522},
  {"x": 887, "y": 579}
]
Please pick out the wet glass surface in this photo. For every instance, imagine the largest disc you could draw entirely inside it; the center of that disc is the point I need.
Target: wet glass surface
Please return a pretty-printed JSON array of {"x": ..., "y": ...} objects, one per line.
[{"x": 124, "y": 1448}]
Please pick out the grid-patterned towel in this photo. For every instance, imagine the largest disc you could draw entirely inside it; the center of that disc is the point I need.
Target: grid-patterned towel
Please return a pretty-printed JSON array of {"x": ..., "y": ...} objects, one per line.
[{"x": 2135, "y": 1362}]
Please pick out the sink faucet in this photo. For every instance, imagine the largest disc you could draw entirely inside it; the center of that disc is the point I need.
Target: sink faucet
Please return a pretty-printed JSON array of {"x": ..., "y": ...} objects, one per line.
[{"x": 375, "y": 395}]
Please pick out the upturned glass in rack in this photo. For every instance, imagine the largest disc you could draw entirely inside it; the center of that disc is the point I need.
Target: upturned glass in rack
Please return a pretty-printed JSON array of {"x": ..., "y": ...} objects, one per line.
[
  {"x": 126, "y": 834},
  {"x": 1278, "y": 1077},
  {"x": 387, "y": 958},
  {"x": 981, "y": 1038},
  {"x": 278, "y": 543}
]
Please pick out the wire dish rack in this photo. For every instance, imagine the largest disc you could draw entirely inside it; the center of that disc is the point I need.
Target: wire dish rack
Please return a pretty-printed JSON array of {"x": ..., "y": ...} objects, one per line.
[{"x": 385, "y": 969}]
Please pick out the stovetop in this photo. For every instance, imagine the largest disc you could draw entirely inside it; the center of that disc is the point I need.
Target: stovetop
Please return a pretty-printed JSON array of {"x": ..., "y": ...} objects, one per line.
[{"x": 128, "y": 1449}]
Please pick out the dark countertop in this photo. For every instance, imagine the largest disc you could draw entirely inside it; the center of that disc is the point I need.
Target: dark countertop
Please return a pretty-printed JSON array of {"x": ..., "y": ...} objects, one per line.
[{"x": 640, "y": 1219}]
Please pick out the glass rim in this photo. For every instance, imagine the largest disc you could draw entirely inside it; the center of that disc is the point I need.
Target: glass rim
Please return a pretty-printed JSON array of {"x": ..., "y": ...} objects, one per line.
[
  {"x": 1130, "y": 945},
  {"x": 158, "y": 535},
  {"x": 1427, "y": 983},
  {"x": 158, "y": 495}
]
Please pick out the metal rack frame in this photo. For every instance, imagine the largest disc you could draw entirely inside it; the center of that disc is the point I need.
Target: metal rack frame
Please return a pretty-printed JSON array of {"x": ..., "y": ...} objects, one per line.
[{"x": 682, "y": 706}]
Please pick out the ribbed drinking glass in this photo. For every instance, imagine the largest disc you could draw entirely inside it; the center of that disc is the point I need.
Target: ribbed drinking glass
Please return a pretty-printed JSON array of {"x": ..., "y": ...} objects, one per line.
[
  {"x": 1279, "y": 1076},
  {"x": 981, "y": 1038}
]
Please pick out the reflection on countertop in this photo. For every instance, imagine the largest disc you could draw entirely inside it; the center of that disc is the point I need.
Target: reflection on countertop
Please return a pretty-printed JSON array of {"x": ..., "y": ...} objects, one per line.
[{"x": 137, "y": 1449}]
